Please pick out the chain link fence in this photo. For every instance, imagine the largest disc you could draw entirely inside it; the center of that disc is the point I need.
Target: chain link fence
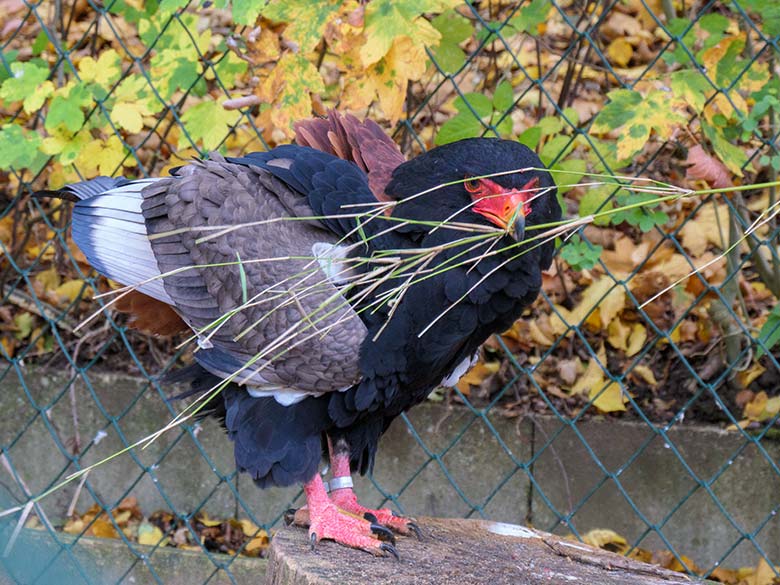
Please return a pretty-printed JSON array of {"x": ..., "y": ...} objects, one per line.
[{"x": 518, "y": 440}]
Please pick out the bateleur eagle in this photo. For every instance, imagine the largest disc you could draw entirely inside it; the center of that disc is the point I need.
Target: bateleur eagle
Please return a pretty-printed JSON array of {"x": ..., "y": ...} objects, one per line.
[{"x": 332, "y": 286}]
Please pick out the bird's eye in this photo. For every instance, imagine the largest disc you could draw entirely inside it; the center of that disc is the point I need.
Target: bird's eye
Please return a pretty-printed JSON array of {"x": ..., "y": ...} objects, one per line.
[{"x": 472, "y": 185}]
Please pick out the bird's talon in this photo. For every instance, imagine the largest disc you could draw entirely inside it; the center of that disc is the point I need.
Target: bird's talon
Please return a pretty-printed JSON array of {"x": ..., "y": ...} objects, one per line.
[
  {"x": 313, "y": 540},
  {"x": 416, "y": 529},
  {"x": 382, "y": 533},
  {"x": 289, "y": 516},
  {"x": 387, "y": 547},
  {"x": 371, "y": 518}
]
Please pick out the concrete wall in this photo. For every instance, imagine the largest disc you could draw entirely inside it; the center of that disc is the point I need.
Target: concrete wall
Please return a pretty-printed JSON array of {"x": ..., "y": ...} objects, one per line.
[{"x": 458, "y": 462}]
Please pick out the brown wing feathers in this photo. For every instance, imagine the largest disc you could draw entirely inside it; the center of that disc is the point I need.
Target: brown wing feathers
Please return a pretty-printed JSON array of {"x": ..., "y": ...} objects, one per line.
[
  {"x": 343, "y": 135},
  {"x": 364, "y": 143}
]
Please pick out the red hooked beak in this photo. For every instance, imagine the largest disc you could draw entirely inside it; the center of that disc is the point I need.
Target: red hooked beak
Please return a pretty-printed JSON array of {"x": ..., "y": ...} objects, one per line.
[{"x": 506, "y": 209}]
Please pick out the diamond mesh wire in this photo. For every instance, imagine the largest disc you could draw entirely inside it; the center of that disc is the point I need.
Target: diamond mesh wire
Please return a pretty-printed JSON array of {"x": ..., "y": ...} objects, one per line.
[{"x": 555, "y": 465}]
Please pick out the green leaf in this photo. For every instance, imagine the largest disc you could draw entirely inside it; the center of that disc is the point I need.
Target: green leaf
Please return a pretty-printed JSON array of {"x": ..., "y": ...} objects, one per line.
[
  {"x": 207, "y": 122},
  {"x": 644, "y": 217},
  {"x": 575, "y": 169},
  {"x": 550, "y": 125},
  {"x": 503, "y": 97},
  {"x": 9, "y": 57},
  {"x": 229, "y": 68},
  {"x": 528, "y": 18},
  {"x": 637, "y": 115},
  {"x": 454, "y": 29},
  {"x": 556, "y": 149},
  {"x": 246, "y": 11},
  {"x": 692, "y": 87},
  {"x": 715, "y": 25},
  {"x": 481, "y": 104},
  {"x": 40, "y": 43},
  {"x": 731, "y": 155},
  {"x": 65, "y": 107},
  {"x": 769, "y": 335},
  {"x": 531, "y": 137},
  {"x": 19, "y": 149},
  {"x": 459, "y": 127},
  {"x": 449, "y": 57},
  {"x": 306, "y": 19},
  {"x": 579, "y": 254},
  {"x": 24, "y": 325},
  {"x": 596, "y": 200},
  {"x": 26, "y": 79},
  {"x": 505, "y": 126},
  {"x": 619, "y": 111}
]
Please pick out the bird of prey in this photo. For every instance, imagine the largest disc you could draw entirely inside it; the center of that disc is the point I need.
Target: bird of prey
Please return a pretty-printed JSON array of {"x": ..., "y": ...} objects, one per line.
[{"x": 331, "y": 284}]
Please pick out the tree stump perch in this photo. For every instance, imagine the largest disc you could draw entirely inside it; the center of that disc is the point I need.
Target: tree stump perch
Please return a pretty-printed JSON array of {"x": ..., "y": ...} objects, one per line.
[{"x": 462, "y": 552}]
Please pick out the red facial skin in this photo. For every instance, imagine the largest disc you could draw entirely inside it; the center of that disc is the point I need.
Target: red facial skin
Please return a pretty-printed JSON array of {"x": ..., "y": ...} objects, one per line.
[{"x": 498, "y": 205}]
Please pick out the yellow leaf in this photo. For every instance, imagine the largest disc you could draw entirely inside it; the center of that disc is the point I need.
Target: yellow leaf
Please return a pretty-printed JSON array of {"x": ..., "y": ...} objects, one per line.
[
  {"x": 609, "y": 399},
  {"x": 288, "y": 89},
  {"x": 103, "y": 157},
  {"x": 763, "y": 575},
  {"x": 70, "y": 289},
  {"x": 478, "y": 374},
  {"x": 129, "y": 115},
  {"x": 537, "y": 335},
  {"x": 604, "y": 294},
  {"x": 123, "y": 517},
  {"x": 646, "y": 374},
  {"x": 620, "y": 51},
  {"x": 593, "y": 377},
  {"x": 102, "y": 528},
  {"x": 606, "y": 539},
  {"x": 104, "y": 71},
  {"x": 149, "y": 534},
  {"x": 248, "y": 527},
  {"x": 35, "y": 100},
  {"x": 206, "y": 521},
  {"x": 618, "y": 334},
  {"x": 258, "y": 543},
  {"x": 49, "y": 279},
  {"x": 746, "y": 377},
  {"x": 73, "y": 526},
  {"x": 636, "y": 340},
  {"x": 405, "y": 61}
]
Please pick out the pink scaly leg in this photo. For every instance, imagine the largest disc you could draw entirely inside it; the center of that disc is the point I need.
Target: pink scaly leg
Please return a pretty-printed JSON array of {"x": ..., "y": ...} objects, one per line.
[
  {"x": 325, "y": 520},
  {"x": 345, "y": 498}
]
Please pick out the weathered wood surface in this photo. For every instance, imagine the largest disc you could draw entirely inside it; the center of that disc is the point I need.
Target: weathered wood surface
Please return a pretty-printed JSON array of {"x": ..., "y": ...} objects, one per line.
[{"x": 462, "y": 552}]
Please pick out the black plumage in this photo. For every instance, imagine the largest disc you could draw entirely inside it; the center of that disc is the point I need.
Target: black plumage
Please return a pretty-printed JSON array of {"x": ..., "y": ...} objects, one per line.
[{"x": 371, "y": 363}]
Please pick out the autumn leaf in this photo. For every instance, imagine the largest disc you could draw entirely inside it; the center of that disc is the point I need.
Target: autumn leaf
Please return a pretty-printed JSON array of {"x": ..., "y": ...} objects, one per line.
[
  {"x": 207, "y": 122},
  {"x": 636, "y": 116},
  {"x": 103, "y": 157},
  {"x": 28, "y": 82},
  {"x": 706, "y": 168},
  {"x": 305, "y": 20},
  {"x": 131, "y": 102},
  {"x": 288, "y": 90},
  {"x": 386, "y": 20},
  {"x": 150, "y": 534},
  {"x": 101, "y": 73}
]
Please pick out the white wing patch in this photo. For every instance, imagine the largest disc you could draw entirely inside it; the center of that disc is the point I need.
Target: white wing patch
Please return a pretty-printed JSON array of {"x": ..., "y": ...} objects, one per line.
[
  {"x": 459, "y": 370},
  {"x": 110, "y": 229},
  {"x": 334, "y": 262}
]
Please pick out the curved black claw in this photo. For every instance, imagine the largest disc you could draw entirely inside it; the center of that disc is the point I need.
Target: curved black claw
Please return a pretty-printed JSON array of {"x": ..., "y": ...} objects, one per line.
[
  {"x": 313, "y": 540},
  {"x": 416, "y": 529},
  {"x": 383, "y": 533},
  {"x": 387, "y": 547},
  {"x": 371, "y": 518},
  {"x": 289, "y": 516}
]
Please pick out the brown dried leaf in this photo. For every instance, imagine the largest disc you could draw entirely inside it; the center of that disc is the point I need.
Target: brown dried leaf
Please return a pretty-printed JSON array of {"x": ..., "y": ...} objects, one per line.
[{"x": 705, "y": 167}]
